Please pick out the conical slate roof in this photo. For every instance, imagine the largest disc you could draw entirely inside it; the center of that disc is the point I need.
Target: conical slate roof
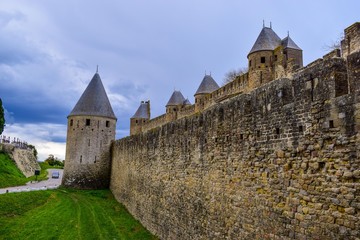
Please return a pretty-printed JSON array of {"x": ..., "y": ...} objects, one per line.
[
  {"x": 176, "y": 99},
  {"x": 289, "y": 43},
  {"x": 94, "y": 101},
  {"x": 208, "y": 85},
  {"x": 187, "y": 102},
  {"x": 142, "y": 111},
  {"x": 267, "y": 40}
]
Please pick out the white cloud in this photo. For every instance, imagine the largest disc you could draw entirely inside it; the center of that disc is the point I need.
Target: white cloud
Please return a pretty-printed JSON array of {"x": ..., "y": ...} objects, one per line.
[{"x": 45, "y": 137}]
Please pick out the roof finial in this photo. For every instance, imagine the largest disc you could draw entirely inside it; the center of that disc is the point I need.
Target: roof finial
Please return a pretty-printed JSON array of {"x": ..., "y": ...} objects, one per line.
[
  {"x": 97, "y": 68},
  {"x": 205, "y": 72},
  {"x": 263, "y": 23},
  {"x": 270, "y": 25},
  {"x": 288, "y": 34},
  {"x": 210, "y": 73}
]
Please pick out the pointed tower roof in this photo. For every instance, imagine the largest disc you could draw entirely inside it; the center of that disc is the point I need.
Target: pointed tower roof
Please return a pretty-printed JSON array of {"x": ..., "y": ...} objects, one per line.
[
  {"x": 267, "y": 40},
  {"x": 289, "y": 43},
  {"x": 142, "y": 111},
  {"x": 208, "y": 85},
  {"x": 94, "y": 101},
  {"x": 176, "y": 99},
  {"x": 187, "y": 102}
]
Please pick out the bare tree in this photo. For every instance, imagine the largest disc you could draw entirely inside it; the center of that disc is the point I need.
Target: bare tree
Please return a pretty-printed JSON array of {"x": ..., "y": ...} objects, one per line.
[
  {"x": 232, "y": 74},
  {"x": 334, "y": 44}
]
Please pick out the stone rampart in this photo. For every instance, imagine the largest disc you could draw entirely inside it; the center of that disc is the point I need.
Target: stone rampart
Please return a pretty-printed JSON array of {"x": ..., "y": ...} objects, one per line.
[{"x": 279, "y": 162}]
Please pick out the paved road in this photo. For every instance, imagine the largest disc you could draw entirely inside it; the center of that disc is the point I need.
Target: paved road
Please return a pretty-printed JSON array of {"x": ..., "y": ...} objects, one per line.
[{"x": 51, "y": 183}]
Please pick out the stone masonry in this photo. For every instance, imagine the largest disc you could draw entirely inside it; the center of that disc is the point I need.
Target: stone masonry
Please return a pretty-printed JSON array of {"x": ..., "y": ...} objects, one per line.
[{"x": 278, "y": 162}]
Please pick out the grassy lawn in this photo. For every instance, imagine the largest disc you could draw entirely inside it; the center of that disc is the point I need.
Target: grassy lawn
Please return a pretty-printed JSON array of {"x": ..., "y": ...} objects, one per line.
[{"x": 67, "y": 214}]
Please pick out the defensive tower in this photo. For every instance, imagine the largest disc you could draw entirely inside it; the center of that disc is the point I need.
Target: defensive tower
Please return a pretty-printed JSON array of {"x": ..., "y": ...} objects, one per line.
[
  {"x": 175, "y": 103},
  {"x": 207, "y": 86},
  {"x": 91, "y": 128},
  {"x": 141, "y": 116},
  {"x": 271, "y": 58}
]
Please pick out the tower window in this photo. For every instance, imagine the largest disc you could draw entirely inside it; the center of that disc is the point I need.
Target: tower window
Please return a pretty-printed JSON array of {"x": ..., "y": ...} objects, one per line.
[
  {"x": 275, "y": 57},
  {"x": 81, "y": 159},
  {"x": 262, "y": 59},
  {"x": 107, "y": 123},
  {"x": 71, "y": 122},
  {"x": 87, "y": 122},
  {"x": 331, "y": 124},
  {"x": 250, "y": 63}
]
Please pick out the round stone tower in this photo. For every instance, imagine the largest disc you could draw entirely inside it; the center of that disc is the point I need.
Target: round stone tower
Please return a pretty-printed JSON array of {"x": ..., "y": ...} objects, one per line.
[
  {"x": 207, "y": 86},
  {"x": 91, "y": 128},
  {"x": 261, "y": 57}
]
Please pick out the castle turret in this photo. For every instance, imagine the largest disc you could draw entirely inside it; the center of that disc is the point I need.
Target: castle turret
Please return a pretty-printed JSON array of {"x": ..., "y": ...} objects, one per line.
[
  {"x": 261, "y": 57},
  {"x": 91, "y": 128},
  {"x": 271, "y": 58},
  {"x": 141, "y": 116},
  {"x": 207, "y": 86},
  {"x": 292, "y": 52},
  {"x": 174, "y": 104}
]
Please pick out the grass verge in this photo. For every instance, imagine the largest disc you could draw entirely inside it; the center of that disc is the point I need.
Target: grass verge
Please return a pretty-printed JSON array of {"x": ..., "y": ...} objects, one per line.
[{"x": 67, "y": 214}]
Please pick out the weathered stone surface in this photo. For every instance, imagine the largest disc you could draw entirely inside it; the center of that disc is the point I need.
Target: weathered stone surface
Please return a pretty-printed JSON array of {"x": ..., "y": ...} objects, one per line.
[
  {"x": 242, "y": 170},
  {"x": 87, "y": 163}
]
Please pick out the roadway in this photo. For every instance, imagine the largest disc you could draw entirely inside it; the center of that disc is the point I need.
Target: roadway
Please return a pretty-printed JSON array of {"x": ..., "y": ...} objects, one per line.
[{"x": 51, "y": 183}]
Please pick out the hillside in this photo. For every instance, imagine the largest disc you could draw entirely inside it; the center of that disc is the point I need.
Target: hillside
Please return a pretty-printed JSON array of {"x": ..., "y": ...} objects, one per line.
[
  {"x": 10, "y": 175},
  {"x": 67, "y": 214},
  {"x": 24, "y": 157}
]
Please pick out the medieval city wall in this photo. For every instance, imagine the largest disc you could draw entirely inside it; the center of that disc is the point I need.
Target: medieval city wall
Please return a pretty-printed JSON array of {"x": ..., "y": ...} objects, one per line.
[{"x": 279, "y": 162}]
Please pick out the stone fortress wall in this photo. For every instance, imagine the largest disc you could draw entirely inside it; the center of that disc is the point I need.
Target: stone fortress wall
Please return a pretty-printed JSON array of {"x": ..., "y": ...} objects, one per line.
[{"x": 280, "y": 161}]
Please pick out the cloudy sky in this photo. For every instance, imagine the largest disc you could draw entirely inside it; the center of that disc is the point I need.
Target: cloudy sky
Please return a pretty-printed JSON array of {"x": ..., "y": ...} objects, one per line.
[{"x": 49, "y": 51}]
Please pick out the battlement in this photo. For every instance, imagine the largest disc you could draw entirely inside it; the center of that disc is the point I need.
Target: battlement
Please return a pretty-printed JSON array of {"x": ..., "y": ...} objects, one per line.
[
  {"x": 266, "y": 65},
  {"x": 351, "y": 41},
  {"x": 241, "y": 86}
]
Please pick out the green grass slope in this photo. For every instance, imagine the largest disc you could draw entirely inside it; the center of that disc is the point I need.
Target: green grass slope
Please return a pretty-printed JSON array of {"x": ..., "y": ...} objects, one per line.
[
  {"x": 10, "y": 175},
  {"x": 67, "y": 214}
]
